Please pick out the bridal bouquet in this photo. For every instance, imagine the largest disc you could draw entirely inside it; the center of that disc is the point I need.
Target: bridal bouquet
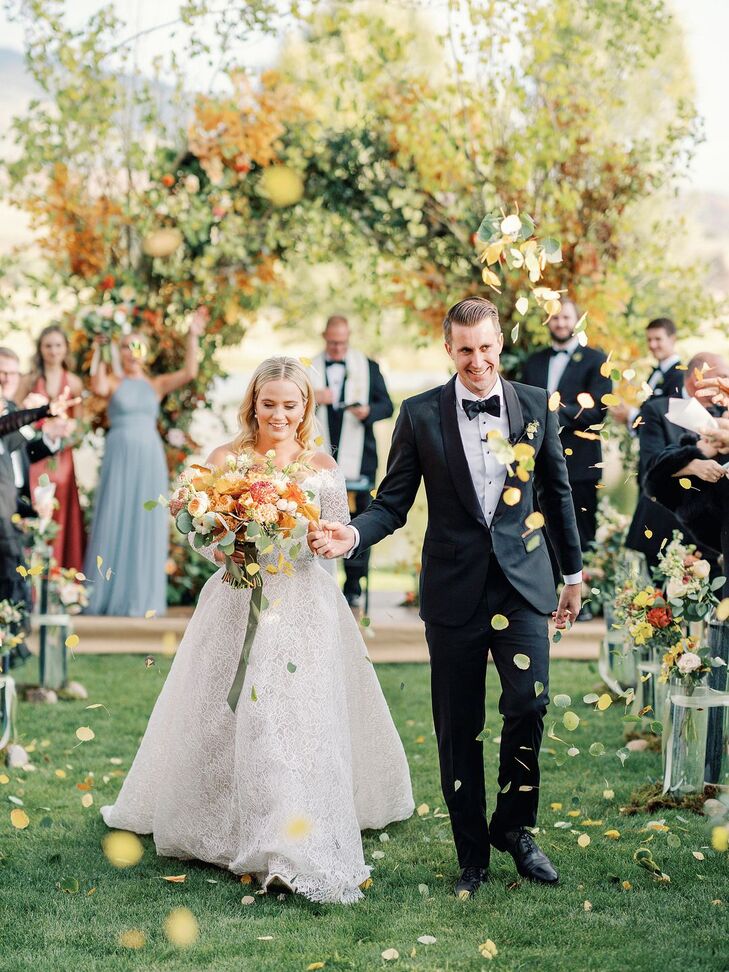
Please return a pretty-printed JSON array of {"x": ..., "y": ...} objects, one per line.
[
  {"x": 251, "y": 507},
  {"x": 248, "y": 505},
  {"x": 685, "y": 575}
]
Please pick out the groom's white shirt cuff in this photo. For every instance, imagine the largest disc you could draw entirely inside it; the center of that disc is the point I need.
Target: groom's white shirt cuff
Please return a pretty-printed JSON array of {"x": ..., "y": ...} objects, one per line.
[
  {"x": 568, "y": 578},
  {"x": 354, "y": 546}
]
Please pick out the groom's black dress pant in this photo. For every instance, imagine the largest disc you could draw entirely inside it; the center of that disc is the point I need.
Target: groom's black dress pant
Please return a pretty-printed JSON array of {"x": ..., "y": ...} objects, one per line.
[{"x": 458, "y": 684}]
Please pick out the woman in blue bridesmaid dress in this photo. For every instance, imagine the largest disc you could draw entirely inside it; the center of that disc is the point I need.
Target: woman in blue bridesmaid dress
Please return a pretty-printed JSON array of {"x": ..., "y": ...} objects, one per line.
[{"x": 133, "y": 542}]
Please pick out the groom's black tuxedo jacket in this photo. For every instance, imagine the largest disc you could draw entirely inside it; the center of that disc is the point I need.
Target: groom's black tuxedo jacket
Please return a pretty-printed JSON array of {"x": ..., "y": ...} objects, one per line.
[{"x": 458, "y": 543}]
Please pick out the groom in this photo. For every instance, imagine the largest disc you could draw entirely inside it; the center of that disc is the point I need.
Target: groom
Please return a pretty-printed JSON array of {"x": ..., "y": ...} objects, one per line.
[{"x": 480, "y": 560}]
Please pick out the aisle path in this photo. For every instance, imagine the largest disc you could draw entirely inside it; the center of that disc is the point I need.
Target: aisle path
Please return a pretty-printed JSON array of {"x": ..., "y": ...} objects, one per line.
[{"x": 395, "y": 634}]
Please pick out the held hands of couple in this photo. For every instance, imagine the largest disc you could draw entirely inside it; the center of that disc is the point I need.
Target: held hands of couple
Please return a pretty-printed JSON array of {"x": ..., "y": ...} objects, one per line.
[
  {"x": 329, "y": 539},
  {"x": 569, "y": 605}
]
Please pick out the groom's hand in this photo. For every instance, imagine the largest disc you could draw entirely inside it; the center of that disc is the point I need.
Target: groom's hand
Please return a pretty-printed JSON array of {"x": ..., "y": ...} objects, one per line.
[
  {"x": 569, "y": 605},
  {"x": 329, "y": 539}
]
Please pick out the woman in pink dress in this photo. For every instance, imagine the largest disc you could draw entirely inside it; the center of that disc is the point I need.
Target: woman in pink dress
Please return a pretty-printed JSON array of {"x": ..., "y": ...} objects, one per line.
[{"x": 49, "y": 377}]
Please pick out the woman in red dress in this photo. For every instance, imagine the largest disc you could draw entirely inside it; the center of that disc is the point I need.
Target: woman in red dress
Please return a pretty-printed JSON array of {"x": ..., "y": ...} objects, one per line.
[{"x": 49, "y": 378}]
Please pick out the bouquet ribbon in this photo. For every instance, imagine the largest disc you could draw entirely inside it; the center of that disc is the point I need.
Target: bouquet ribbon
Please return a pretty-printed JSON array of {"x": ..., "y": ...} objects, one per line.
[{"x": 234, "y": 577}]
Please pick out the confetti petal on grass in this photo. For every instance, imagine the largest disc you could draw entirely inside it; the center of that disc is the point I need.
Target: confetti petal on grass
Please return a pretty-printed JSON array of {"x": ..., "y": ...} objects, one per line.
[
  {"x": 612, "y": 834},
  {"x": 248, "y": 900},
  {"x": 427, "y": 940},
  {"x": 423, "y": 809},
  {"x": 390, "y": 954},
  {"x": 132, "y": 938},
  {"x": 583, "y": 840},
  {"x": 87, "y": 801},
  {"x": 499, "y": 622},
  {"x": 522, "y": 662},
  {"x": 19, "y": 819},
  {"x": 698, "y": 855},
  {"x": 85, "y": 734},
  {"x": 315, "y": 966},
  {"x": 175, "y": 878},
  {"x": 181, "y": 928}
]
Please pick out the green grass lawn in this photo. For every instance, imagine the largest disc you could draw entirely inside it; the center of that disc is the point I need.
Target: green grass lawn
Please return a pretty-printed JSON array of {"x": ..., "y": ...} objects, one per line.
[{"x": 646, "y": 926}]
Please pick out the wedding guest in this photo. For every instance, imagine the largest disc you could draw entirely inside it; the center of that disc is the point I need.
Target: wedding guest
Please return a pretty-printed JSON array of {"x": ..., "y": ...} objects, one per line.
[
  {"x": 703, "y": 508},
  {"x": 351, "y": 396},
  {"x": 653, "y": 524},
  {"x": 50, "y": 375},
  {"x": 574, "y": 371},
  {"x": 667, "y": 377},
  {"x": 127, "y": 547}
]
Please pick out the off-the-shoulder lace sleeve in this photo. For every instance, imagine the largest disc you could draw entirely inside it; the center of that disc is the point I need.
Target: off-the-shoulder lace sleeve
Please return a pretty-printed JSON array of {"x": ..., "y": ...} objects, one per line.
[
  {"x": 333, "y": 496},
  {"x": 207, "y": 552}
]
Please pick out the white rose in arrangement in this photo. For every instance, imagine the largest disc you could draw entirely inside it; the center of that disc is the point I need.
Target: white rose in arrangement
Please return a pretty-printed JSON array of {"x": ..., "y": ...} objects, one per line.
[
  {"x": 675, "y": 588},
  {"x": 689, "y": 662},
  {"x": 701, "y": 569},
  {"x": 176, "y": 438},
  {"x": 192, "y": 183},
  {"x": 198, "y": 505},
  {"x": 203, "y": 524}
]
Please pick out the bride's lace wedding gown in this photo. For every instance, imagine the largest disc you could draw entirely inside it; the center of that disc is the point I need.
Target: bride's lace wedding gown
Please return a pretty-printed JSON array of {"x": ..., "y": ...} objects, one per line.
[{"x": 311, "y": 756}]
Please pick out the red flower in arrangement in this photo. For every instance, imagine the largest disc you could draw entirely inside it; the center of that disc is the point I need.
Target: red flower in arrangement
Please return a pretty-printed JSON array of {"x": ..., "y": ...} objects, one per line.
[
  {"x": 168, "y": 180},
  {"x": 263, "y": 492},
  {"x": 108, "y": 282},
  {"x": 659, "y": 617}
]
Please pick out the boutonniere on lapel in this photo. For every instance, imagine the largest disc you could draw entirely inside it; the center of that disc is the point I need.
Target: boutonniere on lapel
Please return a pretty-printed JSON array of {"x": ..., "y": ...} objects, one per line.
[
  {"x": 518, "y": 457},
  {"x": 529, "y": 430},
  {"x": 577, "y": 356}
]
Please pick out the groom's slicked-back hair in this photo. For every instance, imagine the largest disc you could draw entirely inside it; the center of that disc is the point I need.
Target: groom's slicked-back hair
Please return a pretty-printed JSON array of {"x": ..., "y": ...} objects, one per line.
[{"x": 470, "y": 312}]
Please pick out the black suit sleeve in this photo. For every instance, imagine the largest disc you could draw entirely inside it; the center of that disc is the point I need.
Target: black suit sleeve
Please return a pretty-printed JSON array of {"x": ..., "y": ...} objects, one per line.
[
  {"x": 36, "y": 449},
  {"x": 397, "y": 491},
  {"x": 652, "y": 439},
  {"x": 13, "y": 421},
  {"x": 555, "y": 498},
  {"x": 572, "y": 415},
  {"x": 380, "y": 403}
]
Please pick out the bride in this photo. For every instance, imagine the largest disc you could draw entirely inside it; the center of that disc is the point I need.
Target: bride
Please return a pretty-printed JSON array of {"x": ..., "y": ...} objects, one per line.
[{"x": 282, "y": 787}]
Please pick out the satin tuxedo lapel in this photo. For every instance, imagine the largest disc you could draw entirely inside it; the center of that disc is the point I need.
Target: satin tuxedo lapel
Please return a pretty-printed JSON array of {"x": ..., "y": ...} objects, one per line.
[
  {"x": 513, "y": 411},
  {"x": 456, "y": 457}
]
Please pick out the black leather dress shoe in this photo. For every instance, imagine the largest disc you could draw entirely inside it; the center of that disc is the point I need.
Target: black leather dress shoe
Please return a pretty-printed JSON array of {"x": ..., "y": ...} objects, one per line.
[
  {"x": 470, "y": 881},
  {"x": 531, "y": 862}
]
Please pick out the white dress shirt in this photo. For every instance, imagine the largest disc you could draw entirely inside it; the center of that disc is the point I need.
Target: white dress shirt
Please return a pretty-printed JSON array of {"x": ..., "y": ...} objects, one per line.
[
  {"x": 659, "y": 371},
  {"x": 558, "y": 362},
  {"x": 336, "y": 373},
  {"x": 487, "y": 473}
]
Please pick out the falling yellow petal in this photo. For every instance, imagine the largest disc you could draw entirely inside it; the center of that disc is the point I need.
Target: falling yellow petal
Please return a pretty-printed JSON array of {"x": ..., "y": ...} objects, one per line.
[
  {"x": 685, "y": 482},
  {"x": 585, "y": 400},
  {"x": 36, "y": 571},
  {"x": 21, "y": 570},
  {"x": 534, "y": 521},
  {"x": 85, "y": 733},
  {"x": 423, "y": 809},
  {"x": 72, "y": 641},
  {"x": 610, "y": 400},
  {"x": 122, "y": 849},
  {"x": 181, "y": 928},
  {"x": 512, "y": 495},
  {"x": 722, "y": 610},
  {"x": 298, "y": 828},
  {"x": 604, "y": 702},
  {"x": 554, "y": 401},
  {"x": 150, "y": 614},
  {"x": 499, "y": 622}
]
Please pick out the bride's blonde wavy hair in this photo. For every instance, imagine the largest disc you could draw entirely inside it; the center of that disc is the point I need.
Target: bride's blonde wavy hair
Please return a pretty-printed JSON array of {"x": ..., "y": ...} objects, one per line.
[{"x": 276, "y": 369}]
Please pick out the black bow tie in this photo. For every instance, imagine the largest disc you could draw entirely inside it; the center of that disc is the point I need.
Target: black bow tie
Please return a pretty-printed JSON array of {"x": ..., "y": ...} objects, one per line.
[
  {"x": 491, "y": 405},
  {"x": 327, "y": 362},
  {"x": 555, "y": 351}
]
